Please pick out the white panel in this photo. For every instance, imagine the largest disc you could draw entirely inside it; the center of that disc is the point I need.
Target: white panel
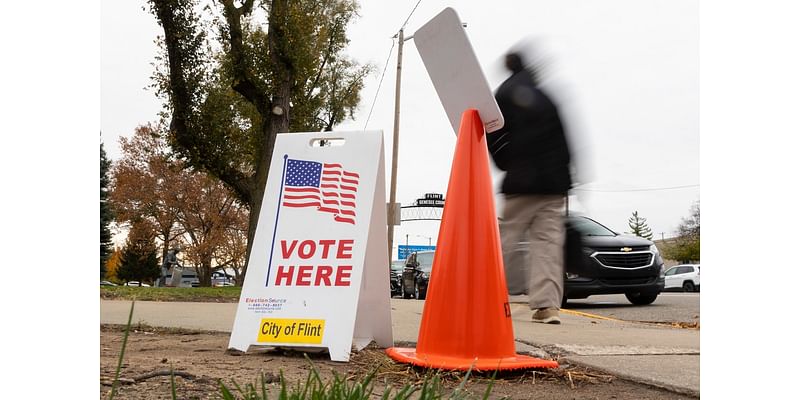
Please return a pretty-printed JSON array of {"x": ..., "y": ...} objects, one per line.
[{"x": 453, "y": 67}]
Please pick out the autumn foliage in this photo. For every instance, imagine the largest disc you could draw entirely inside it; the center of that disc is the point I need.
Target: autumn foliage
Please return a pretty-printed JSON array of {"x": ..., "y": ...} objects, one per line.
[{"x": 183, "y": 207}]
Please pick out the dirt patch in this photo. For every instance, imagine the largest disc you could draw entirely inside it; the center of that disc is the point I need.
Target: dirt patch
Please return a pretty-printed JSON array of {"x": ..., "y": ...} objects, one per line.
[{"x": 200, "y": 361}]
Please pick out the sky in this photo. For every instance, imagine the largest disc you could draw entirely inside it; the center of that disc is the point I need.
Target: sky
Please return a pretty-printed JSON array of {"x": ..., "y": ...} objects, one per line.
[{"x": 625, "y": 73}]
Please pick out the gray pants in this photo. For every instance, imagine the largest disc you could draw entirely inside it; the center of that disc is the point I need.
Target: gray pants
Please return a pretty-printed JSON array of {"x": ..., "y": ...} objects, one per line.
[{"x": 537, "y": 220}]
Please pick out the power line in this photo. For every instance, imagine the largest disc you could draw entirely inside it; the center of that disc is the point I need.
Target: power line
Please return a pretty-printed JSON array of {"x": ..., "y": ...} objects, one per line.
[
  {"x": 386, "y": 65},
  {"x": 637, "y": 190},
  {"x": 379, "y": 85},
  {"x": 412, "y": 13}
]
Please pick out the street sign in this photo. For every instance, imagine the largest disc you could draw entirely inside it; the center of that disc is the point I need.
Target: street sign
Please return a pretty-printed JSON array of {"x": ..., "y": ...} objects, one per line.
[
  {"x": 404, "y": 250},
  {"x": 430, "y": 200},
  {"x": 429, "y": 203}
]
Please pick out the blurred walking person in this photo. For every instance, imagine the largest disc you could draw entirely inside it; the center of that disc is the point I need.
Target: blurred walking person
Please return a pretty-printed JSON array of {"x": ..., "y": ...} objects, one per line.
[{"x": 532, "y": 149}]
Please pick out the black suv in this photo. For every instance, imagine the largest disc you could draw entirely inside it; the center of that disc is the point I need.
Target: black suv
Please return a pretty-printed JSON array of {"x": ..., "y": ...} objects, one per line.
[
  {"x": 600, "y": 261},
  {"x": 416, "y": 275}
]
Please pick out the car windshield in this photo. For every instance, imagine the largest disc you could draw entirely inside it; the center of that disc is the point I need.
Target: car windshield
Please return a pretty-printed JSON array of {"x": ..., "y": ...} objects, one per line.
[
  {"x": 425, "y": 261},
  {"x": 398, "y": 266},
  {"x": 588, "y": 227}
]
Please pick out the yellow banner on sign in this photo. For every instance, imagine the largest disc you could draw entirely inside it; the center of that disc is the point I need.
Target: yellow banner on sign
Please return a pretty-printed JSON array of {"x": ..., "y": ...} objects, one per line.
[{"x": 287, "y": 330}]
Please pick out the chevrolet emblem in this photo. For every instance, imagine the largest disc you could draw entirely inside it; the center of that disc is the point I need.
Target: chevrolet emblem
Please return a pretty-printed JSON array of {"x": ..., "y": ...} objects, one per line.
[{"x": 626, "y": 249}]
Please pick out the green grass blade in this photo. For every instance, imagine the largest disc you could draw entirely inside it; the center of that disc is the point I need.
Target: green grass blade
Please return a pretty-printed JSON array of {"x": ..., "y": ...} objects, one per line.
[
  {"x": 263, "y": 387},
  {"x": 121, "y": 353},
  {"x": 226, "y": 393},
  {"x": 489, "y": 386},
  {"x": 459, "y": 392},
  {"x": 283, "y": 395},
  {"x": 172, "y": 382}
]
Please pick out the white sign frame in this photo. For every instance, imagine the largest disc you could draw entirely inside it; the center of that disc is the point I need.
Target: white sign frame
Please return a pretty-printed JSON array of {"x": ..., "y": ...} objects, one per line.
[
  {"x": 314, "y": 279},
  {"x": 455, "y": 72}
]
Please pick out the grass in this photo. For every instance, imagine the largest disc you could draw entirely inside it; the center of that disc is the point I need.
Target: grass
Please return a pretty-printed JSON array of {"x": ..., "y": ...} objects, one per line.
[
  {"x": 229, "y": 294},
  {"x": 346, "y": 388},
  {"x": 314, "y": 387}
]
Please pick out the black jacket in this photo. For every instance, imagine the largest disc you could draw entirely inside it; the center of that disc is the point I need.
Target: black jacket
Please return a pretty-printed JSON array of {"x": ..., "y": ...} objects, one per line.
[{"x": 531, "y": 147}]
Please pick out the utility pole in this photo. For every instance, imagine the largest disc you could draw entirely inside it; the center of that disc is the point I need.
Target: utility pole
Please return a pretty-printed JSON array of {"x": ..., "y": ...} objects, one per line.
[{"x": 392, "y": 214}]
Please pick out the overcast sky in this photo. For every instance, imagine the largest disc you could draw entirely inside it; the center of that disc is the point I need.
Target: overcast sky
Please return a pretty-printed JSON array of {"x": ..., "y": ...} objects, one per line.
[{"x": 626, "y": 73}]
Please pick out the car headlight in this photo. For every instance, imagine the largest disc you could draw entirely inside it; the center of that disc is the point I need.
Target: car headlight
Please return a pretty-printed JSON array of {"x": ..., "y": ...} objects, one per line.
[
  {"x": 571, "y": 276},
  {"x": 658, "y": 260}
]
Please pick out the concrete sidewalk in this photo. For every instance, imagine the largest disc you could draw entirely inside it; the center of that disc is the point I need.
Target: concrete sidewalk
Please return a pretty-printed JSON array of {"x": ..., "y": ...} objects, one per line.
[{"x": 660, "y": 356}]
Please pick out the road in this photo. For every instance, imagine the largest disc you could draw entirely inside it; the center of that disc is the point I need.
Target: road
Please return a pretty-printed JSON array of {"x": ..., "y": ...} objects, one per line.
[{"x": 668, "y": 307}]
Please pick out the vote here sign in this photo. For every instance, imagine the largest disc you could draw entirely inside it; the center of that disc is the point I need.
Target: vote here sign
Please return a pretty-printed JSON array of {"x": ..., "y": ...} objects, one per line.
[{"x": 319, "y": 252}]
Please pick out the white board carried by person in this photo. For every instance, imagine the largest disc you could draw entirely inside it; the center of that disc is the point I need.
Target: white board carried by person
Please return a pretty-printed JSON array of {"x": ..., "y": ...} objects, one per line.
[{"x": 318, "y": 270}]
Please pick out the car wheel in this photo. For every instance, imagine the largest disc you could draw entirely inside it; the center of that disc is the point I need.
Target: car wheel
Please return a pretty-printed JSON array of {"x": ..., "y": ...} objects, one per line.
[
  {"x": 641, "y": 299},
  {"x": 407, "y": 294},
  {"x": 688, "y": 286},
  {"x": 422, "y": 293}
]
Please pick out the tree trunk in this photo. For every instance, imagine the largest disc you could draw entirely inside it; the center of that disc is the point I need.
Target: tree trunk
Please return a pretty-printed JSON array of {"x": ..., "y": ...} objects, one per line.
[
  {"x": 255, "y": 210},
  {"x": 277, "y": 123},
  {"x": 204, "y": 270},
  {"x": 275, "y": 117}
]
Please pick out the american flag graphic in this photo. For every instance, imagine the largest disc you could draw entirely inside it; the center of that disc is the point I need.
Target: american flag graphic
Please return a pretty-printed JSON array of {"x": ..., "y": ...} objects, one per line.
[{"x": 328, "y": 187}]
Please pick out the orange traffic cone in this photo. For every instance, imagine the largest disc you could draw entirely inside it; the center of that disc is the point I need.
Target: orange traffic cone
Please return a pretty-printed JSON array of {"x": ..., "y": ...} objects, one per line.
[{"x": 466, "y": 321}]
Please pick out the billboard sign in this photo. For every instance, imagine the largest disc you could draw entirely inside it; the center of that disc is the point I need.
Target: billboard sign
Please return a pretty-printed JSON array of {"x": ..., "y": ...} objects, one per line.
[{"x": 404, "y": 250}]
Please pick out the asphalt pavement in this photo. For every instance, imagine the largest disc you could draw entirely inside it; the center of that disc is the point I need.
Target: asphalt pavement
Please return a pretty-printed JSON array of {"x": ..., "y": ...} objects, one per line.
[{"x": 661, "y": 356}]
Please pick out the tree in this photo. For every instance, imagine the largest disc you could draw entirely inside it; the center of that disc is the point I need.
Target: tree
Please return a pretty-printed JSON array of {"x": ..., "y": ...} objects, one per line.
[
  {"x": 639, "y": 226},
  {"x": 184, "y": 206},
  {"x": 112, "y": 265},
  {"x": 686, "y": 246},
  {"x": 228, "y": 96},
  {"x": 232, "y": 252},
  {"x": 138, "y": 261},
  {"x": 208, "y": 213},
  {"x": 147, "y": 183},
  {"x": 106, "y": 216}
]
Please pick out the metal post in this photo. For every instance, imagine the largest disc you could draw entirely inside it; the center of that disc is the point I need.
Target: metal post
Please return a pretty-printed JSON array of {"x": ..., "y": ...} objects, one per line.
[{"x": 395, "y": 140}]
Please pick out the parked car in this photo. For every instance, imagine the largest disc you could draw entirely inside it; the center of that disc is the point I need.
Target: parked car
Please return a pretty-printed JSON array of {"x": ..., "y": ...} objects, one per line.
[
  {"x": 136, "y": 283},
  {"x": 396, "y": 277},
  {"x": 221, "y": 278},
  {"x": 107, "y": 283},
  {"x": 685, "y": 277},
  {"x": 416, "y": 274},
  {"x": 183, "y": 277},
  {"x": 600, "y": 261}
]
